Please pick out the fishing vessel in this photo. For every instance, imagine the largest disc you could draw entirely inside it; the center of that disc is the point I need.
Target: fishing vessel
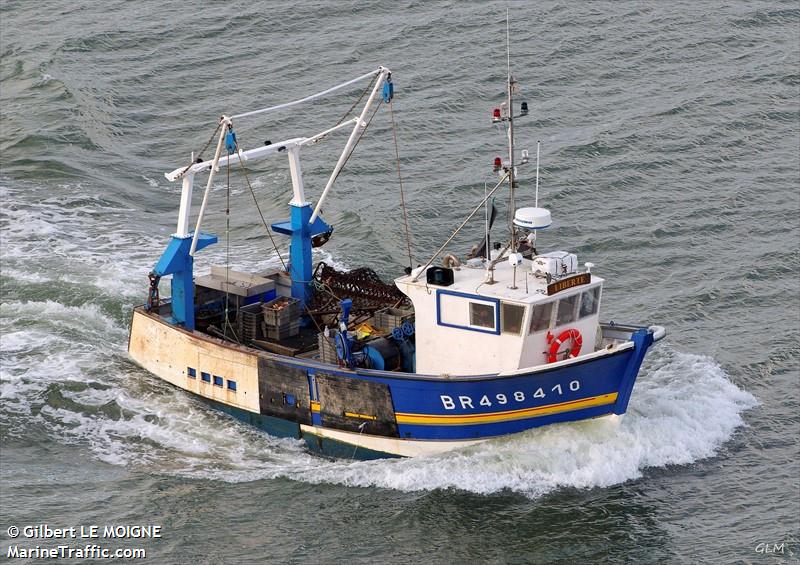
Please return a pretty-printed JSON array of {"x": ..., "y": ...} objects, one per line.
[{"x": 461, "y": 349}]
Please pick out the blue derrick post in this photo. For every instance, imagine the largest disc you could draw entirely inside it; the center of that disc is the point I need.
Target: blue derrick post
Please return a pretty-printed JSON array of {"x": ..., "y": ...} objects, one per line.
[
  {"x": 177, "y": 262},
  {"x": 300, "y": 262},
  {"x": 183, "y": 296},
  {"x": 301, "y": 232}
]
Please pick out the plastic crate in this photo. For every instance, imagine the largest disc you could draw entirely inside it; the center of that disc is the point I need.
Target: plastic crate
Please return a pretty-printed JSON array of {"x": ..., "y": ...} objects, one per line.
[
  {"x": 327, "y": 347},
  {"x": 248, "y": 321},
  {"x": 283, "y": 331},
  {"x": 280, "y": 311},
  {"x": 388, "y": 318}
]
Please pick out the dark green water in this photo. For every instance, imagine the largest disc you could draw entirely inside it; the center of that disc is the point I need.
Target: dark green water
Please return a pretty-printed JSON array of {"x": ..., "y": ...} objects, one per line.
[{"x": 670, "y": 159}]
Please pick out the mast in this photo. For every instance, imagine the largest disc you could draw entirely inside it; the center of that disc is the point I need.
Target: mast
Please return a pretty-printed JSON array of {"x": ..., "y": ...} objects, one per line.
[
  {"x": 511, "y": 165},
  {"x": 511, "y": 171},
  {"x": 505, "y": 113}
]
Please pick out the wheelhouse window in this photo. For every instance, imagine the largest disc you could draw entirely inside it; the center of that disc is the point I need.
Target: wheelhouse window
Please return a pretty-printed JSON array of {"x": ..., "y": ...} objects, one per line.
[
  {"x": 481, "y": 315},
  {"x": 217, "y": 381},
  {"x": 567, "y": 308},
  {"x": 540, "y": 320},
  {"x": 468, "y": 312},
  {"x": 512, "y": 315},
  {"x": 206, "y": 377},
  {"x": 590, "y": 300}
]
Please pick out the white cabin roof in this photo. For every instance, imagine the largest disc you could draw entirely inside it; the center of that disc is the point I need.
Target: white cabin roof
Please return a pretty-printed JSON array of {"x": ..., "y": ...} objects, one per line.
[{"x": 472, "y": 280}]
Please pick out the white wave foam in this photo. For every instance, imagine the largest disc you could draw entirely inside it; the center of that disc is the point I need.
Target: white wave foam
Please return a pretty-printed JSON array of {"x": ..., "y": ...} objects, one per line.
[
  {"x": 69, "y": 240},
  {"x": 152, "y": 183},
  {"x": 682, "y": 410},
  {"x": 25, "y": 276},
  {"x": 323, "y": 255},
  {"x": 84, "y": 317}
]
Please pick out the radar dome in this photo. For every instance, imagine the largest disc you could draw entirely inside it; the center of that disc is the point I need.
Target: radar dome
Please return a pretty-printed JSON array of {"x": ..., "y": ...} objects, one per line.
[{"x": 532, "y": 218}]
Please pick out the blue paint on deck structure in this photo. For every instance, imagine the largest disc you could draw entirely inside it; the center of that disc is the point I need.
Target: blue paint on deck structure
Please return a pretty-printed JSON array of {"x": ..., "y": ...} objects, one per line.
[
  {"x": 301, "y": 233},
  {"x": 177, "y": 262}
]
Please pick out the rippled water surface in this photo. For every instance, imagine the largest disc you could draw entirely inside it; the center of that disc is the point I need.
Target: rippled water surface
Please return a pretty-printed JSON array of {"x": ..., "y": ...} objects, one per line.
[{"x": 670, "y": 159}]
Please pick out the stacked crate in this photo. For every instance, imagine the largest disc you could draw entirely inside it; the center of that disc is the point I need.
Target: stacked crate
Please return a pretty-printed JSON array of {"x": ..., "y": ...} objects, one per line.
[
  {"x": 248, "y": 322},
  {"x": 327, "y": 347},
  {"x": 388, "y": 318},
  {"x": 281, "y": 318}
]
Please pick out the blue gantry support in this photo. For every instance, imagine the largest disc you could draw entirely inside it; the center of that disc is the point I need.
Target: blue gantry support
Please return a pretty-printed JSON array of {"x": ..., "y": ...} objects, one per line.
[
  {"x": 300, "y": 262},
  {"x": 177, "y": 262}
]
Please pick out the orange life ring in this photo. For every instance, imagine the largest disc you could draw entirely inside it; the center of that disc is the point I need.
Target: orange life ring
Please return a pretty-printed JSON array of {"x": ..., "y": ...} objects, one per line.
[{"x": 577, "y": 342}]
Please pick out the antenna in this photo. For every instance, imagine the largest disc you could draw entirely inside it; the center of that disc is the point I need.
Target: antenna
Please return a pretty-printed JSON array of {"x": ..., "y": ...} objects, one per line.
[
  {"x": 486, "y": 221},
  {"x": 505, "y": 113},
  {"x": 510, "y": 110},
  {"x": 511, "y": 165},
  {"x": 508, "y": 46},
  {"x": 536, "y": 199}
]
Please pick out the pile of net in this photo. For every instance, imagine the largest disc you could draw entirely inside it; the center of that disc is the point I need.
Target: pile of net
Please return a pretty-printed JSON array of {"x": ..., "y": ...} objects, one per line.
[{"x": 363, "y": 286}]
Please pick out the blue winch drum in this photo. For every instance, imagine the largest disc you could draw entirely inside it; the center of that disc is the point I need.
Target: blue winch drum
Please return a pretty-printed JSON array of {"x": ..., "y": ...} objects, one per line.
[{"x": 382, "y": 354}]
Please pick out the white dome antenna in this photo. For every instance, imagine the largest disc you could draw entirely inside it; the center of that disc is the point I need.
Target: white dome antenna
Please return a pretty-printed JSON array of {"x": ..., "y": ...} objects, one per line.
[{"x": 532, "y": 218}]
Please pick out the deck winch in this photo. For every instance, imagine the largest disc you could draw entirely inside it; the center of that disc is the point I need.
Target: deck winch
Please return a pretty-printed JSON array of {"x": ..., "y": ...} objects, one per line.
[{"x": 390, "y": 353}]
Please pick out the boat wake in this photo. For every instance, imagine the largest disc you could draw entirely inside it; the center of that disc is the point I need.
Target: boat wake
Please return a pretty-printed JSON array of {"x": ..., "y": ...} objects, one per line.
[{"x": 683, "y": 410}]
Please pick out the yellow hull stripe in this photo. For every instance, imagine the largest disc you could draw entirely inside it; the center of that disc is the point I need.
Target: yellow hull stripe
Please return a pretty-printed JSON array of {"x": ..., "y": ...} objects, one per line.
[
  {"x": 508, "y": 415},
  {"x": 505, "y": 416},
  {"x": 361, "y": 416}
]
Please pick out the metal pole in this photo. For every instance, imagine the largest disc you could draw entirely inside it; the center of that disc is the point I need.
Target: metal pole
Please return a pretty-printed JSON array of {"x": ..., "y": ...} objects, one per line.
[
  {"x": 360, "y": 125},
  {"x": 458, "y": 229},
  {"x": 536, "y": 198},
  {"x": 511, "y": 171},
  {"x": 223, "y": 132},
  {"x": 182, "y": 230},
  {"x": 486, "y": 220}
]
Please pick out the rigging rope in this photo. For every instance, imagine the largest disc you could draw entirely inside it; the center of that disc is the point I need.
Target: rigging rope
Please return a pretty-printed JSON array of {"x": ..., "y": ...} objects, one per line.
[
  {"x": 400, "y": 179},
  {"x": 263, "y": 221},
  {"x": 344, "y": 116},
  {"x": 247, "y": 178},
  {"x": 458, "y": 229},
  {"x": 357, "y": 102},
  {"x": 308, "y": 98},
  {"x": 210, "y": 139},
  {"x": 227, "y": 324}
]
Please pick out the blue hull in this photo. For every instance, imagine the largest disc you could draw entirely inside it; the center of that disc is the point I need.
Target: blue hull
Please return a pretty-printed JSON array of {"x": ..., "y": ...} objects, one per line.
[{"x": 482, "y": 407}]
